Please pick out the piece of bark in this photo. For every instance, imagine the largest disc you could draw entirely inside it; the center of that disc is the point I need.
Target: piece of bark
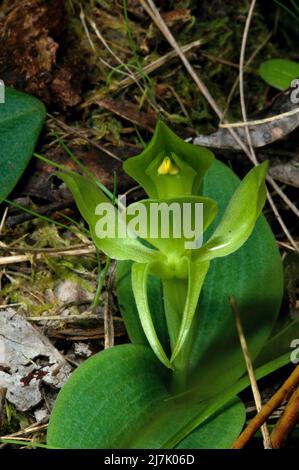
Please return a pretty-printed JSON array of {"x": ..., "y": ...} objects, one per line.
[
  {"x": 261, "y": 134},
  {"x": 286, "y": 171},
  {"x": 27, "y": 360},
  {"x": 84, "y": 334}
]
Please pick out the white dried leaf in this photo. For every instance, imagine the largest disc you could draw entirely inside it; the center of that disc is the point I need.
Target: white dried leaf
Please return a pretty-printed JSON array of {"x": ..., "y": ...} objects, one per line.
[{"x": 27, "y": 359}]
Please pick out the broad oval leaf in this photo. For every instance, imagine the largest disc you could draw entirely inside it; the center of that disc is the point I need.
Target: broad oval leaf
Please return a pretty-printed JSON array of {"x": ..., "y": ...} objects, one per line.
[
  {"x": 119, "y": 399},
  {"x": 21, "y": 120},
  {"x": 279, "y": 73}
]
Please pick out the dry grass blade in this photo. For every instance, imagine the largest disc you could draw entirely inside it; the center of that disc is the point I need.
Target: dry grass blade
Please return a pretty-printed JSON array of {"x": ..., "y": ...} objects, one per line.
[
  {"x": 156, "y": 64},
  {"x": 258, "y": 122},
  {"x": 2, "y": 223},
  {"x": 250, "y": 370},
  {"x": 4, "y": 260}
]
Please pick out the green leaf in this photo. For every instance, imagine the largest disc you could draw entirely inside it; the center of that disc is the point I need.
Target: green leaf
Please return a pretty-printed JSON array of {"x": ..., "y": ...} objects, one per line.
[
  {"x": 21, "y": 120},
  {"x": 239, "y": 217},
  {"x": 279, "y": 344},
  {"x": 119, "y": 399},
  {"x": 279, "y": 73},
  {"x": 108, "y": 399},
  {"x": 219, "y": 431},
  {"x": 129, "y": 310},
  {"x": 87, "y": 196},
  {"x": 139, "y": 283},
  {"x": 216, "y": 403},
  {"x": 197, "y": 274}
]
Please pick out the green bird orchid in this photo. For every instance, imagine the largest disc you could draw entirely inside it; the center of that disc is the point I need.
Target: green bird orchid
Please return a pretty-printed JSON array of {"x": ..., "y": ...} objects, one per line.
[{"x": 171, "y": 172}]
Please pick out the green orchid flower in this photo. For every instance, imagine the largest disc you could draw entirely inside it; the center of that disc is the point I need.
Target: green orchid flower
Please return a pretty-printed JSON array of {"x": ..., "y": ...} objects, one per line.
[
  {"x": 168, "y": 166},
  {"x": 171, "y": 172}
]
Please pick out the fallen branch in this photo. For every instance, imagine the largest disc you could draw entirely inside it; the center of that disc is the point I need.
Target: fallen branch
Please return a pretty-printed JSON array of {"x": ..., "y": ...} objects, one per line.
[
  {"x": 282, "y": 394},
  {"x": 287, "y": 421}
]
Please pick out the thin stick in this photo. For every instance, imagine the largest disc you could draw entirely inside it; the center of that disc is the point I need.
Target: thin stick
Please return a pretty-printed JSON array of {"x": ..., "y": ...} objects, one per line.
[
  {"x": 43, "y": 250},
  {"x": 250, "y": 370},
  {"x": 11, "y": 305},
  {"x": 82, "y": 133},
  {"x": 78, "y": 317},
  {"x": 241, "y": 80},
  {"x": 3, "y": 219},
  {"x": 2, "y": 402},
  {"x": 282, "y": 394},
  {"x": 249, "y": 61},
  {"x": 156, "y": 64},
  {"x": 32, "y": 428},
  {"x": 4, "y": 260},
  {"x": 259, "y": 122},
  {"x": 153, "y": 12},
  {"x": 285, "y": 245}
]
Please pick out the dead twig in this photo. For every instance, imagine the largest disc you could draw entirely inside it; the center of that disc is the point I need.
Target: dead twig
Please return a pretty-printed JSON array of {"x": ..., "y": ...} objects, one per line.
[
  {"x": 33, "y": 428},
  {"x": 44, "y": 250},
  {"x": 155, "y": 65},
  {"x": 3, "y": 220},
  {"x": 82, "y": 134},
  {"x": 2, "y": 402},
  {"x": 282, "y": 394},
  {"x": 250, "y": 370},
  {"x": 287, "y": 421},
  {"x": 4, "y": 260},
  {"x": 258, "y": 122},
  {"x": 108, "y": 315},
  {"x": 249, "y": 61}
]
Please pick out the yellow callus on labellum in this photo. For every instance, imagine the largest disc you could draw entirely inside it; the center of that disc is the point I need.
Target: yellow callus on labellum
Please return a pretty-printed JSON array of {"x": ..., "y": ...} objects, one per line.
[{"x": 167, "y": 167}]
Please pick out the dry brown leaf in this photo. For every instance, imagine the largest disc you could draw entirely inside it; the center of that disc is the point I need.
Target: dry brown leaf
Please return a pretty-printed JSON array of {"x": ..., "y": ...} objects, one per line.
[{"x": 130, "y": 112}]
